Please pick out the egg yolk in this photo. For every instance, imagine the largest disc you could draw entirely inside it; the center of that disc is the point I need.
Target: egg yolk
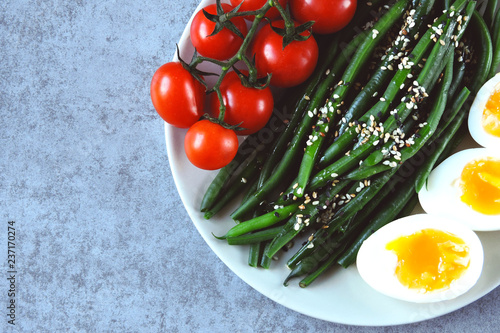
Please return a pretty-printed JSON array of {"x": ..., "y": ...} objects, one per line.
[
  {"x": 491, "y": 114},
  {"x": 480, "y": 184},
  {"x": 429, "y": 259}
]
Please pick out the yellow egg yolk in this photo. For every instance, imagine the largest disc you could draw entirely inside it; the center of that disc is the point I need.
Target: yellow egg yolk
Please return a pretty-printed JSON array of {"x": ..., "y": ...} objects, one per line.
[
  {"x": 491, "y": 115},
  {"x": 480, "y": 184},
  {"x": 429, "y": 259}
]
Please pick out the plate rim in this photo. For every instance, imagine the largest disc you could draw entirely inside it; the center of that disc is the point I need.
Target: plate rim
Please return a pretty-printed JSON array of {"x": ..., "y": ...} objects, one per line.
[{"x": 171, "y": 132}]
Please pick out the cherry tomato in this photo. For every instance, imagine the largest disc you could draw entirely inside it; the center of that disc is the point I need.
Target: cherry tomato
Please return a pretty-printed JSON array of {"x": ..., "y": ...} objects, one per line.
[
  {"x": 249, "y": 107},
  {"x": 222, "y": 45},
  {"x": 251, "y": 5},
  {"x": 329, "y": 15},
  {"x": 289, "y": 66},
  {"x": 176, "y": 95},
  {"x": 210, "y": 146}
]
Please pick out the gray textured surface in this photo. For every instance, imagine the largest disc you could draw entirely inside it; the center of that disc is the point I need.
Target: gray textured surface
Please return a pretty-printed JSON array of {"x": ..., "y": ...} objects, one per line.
[{"x": 103, "y": 242}]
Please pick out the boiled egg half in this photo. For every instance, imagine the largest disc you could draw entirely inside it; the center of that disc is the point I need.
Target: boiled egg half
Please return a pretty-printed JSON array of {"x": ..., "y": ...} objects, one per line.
[
  {"x": 484, "y": 115},
  {"x": 421, "y": 258},
  {"x": 466, "y": 188}
]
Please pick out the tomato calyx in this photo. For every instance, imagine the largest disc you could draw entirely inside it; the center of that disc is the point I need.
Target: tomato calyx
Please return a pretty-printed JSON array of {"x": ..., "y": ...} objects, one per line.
[
  {"x": 251, "y": 80},
  {"x": 291, "y": 32},
  {"x": 223, "y": 20},
  {"x": 221, "y": 122},
  {"x": 191, "y": 68}
]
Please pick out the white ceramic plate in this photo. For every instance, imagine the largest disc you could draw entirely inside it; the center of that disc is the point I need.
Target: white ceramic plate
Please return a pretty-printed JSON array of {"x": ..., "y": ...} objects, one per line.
[{"x": 340, "y": 296}]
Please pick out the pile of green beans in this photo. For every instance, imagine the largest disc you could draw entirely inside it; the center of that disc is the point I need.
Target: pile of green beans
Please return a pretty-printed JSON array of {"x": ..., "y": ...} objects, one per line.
[{"x": 357, "y": 148}]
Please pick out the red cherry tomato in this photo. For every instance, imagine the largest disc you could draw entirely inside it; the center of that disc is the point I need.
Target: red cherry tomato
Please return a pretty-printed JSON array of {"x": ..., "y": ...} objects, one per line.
[
  {"x": 176, "y": 95},
  {"x": 251, "y": 5},
  {"x": 249, "y": 107},
  {"x": 210, "y": 146},
  {"x": 222, "y": 45},
  {"x": 329, "y": 15},
  {"x": 289, "y": 66}
]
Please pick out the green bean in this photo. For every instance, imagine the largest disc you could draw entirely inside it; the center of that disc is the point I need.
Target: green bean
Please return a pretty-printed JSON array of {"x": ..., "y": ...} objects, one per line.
[
  {"x": 428, "y": 128},
  {"x": 346, "y": 162},
  {"x": 381, "y": 75},
  {"x": 329, "y": 111},
  {"x": 366, "y": 173},
  {"x": 281, "y": 144},
  {"x": 265, "y": 261},
  {"x": 246, "y": 151},
  {"x": 457, "y": 79},
  {"x": 357, "y": 203},
  {"x": 254, "y": 237},
  {"x": 359, "y": 218},
  {"x": 427, "y": 133},
  {"x": 295, "y": 145},
  {"x": 254, "y": 255},
  {"x": 254, "y": 141},
  {"x": 328, "y": 242},
  {"x": 245, "y": 181},
  {"x": 442, "y": 142},
  {"x": 331, "y": 259},
  {"x": 262, "y": 221},
  {"x": 381, "y": 107},
  {"x": 495, "y": 30},
  {"x": 328, "y": 252},
  {"x": 369, "y": 165},
  {"x": 489, "y": 13},
  {"x": 307, "y": 216},
  {"x": 485, "y": 59},
  {"x": 457, "y": 107},
  {"x": 377, "y": 156},
  {"x": 387, "y": 214},
  {"x": 495, "y": 34}
]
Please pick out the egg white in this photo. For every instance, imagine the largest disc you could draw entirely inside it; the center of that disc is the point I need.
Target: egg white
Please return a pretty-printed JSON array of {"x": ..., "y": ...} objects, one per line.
[
  {"x": 442, "y": 194},
  {"x": 476, "y": 129},
  {"x": 376, "y": 265}
]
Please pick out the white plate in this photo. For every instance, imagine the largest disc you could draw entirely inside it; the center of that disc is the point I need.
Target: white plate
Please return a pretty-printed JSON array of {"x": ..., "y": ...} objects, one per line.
[{"x": 340, "y": 296}]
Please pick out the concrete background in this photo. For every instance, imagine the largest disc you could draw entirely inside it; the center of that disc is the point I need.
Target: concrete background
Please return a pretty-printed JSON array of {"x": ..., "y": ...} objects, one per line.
[{"x": 103, "y": 243}]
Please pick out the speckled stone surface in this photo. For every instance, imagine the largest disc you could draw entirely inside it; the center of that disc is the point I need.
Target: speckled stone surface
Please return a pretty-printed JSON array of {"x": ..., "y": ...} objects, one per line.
[{"x": 103, "y": 243}]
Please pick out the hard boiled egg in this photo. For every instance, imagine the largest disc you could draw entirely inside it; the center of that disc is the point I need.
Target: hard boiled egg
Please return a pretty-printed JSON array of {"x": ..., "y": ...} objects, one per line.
[
  {"x": 484, "y": 115},
  {"x": 421, "y": 258},
  {"x": 466, "y": 187}
]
